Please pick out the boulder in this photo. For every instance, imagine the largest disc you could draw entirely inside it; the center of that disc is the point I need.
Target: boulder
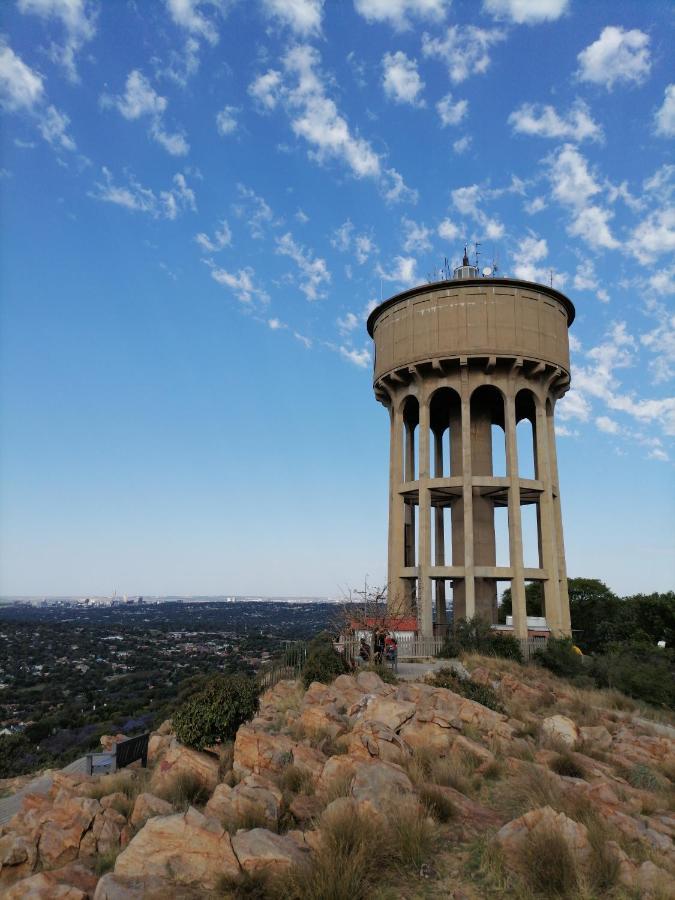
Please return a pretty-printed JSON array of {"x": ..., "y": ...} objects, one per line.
[
  {"x": 597, "y": 735},
  {"x": 473, "y": 817},
  {"x": 108, "y": 741},
  {"x": 256, "y": 752},
  {"x": 338, "y": 772},
  {"x": 391, "y": 712},
  {"x": 125, "y": 887},
  {"x": 562, "y": 729},
  {"x": 165, "y": 728},
  {"x": 179, "y": 761},
  {"x": 305, "y": 808},
  {"x": 117, "y": 801},
  {"x": 512, "y": 836},
  {"x": 255, "y": 799},
  {"x": 72, "y": 882},
  {"x": 147, "y": 806},
  {"x": 106, "y": 831},
  {"x": 324, "y": 719},
  {"x": 371, "y": 683},
  {"x": 260, "y": 850},
  {"x": 18, "y": 855},
  {"x": 477, "y": 752},
  {"x": 188, "y": 848},
  {"x": 62, "y": 828},
  {"x": 158, "y": 745},
  {"x": 379, "y": 783},
  {"x": 308, "y": 760},
  {"x": 375, "y": 739}
]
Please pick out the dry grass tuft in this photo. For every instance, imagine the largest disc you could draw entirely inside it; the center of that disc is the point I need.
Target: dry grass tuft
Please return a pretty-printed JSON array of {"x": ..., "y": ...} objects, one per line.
[
  {"x": 130, "y": 783},
  {"x": 183, "y": 791},
  {"x": 339, "y": 786},
  {"x": 456, "y": 770},
  {"x": 548, "y": 865},
  {"x": 566, "y": 763},
  {"x": 296, "y": 781},
  {"x": 531, "y": 789},
  {"x": 437, "y": 804}
]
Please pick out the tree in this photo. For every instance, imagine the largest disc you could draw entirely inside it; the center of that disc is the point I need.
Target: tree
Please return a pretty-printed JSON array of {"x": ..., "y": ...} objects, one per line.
[
  {"x": 594, "y": 609},
  {"x": 534, "y": 601}
]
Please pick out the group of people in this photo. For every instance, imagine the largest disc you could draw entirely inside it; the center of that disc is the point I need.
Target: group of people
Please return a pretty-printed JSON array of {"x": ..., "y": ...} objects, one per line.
[{"x": 384, "y": 649}]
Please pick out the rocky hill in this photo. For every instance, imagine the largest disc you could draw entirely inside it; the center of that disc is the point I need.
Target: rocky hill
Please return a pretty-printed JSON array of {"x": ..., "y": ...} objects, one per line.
[{"x": 489, "y": 780}]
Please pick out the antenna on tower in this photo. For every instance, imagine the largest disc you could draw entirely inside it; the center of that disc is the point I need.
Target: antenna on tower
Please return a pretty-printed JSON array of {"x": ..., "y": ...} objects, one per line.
[
  {"x": 551, "y": 276},
  {"x": 477, "y": 252}
]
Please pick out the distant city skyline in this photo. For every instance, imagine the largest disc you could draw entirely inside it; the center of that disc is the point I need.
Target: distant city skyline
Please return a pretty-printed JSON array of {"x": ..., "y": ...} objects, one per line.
[{"x": 201, "y": 202}]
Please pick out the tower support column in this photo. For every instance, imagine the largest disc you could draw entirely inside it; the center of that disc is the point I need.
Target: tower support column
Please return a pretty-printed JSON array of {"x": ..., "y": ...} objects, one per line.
[
  {"x": 519, "y": 610},
  {"x": 547, "y": 531},
  {"x": 396, "y": 596},
  {"x": 469, "y": 591},
  {"x": 424, "y": 575},
  {"x": 563, "y": 592}
]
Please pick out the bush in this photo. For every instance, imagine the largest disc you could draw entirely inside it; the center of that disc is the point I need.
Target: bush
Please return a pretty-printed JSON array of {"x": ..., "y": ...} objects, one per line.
[
  {"x": 216, "y": 712},
  {"x": 451, "y": 649},
  {"x": 639, "y": 670},
  {"x": 323, "y": 662},
  {"x": 560, "y": 657},
  {"x": 548, "y": 865},
  {"x": 439, "y": 806},
  {"x": 479, "y": 693},
  {"x": 185, "y": 790},
  {"x": 476, "y": 635}
]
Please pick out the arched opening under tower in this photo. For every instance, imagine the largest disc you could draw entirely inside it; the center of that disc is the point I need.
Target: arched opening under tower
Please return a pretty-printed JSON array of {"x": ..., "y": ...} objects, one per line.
[
  {"x": 526, "y": 433},
  {"x": 487, "y": 431},
  {"x": 445, "y": 445}
]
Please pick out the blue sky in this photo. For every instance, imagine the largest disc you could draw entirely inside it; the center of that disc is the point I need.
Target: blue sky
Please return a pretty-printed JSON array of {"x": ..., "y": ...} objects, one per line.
[{"x": 203, "y": 200}]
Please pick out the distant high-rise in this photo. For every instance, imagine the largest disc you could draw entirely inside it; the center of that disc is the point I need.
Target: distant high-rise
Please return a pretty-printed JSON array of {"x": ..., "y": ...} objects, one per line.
[{"x": 459, "y": 364}]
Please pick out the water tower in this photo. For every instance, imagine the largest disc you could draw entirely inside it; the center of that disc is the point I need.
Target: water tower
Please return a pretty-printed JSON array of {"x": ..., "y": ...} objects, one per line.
[{"x": 459, "y": 364}]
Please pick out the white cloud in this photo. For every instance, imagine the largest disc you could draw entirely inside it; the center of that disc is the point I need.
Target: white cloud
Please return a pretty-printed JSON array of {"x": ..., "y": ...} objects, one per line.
[
  {"x": 276, "y": 324},
  {"x": 401, "y": 80},
  {"x": 466, "y": 201},
  {"x": 342, "y": 236},
  {"x": 575, "y": 344},
  {"x": 21, "y": 88},
  {"x": 415, "y": 236},
  {"x": 187, "y": 14},
  {"x": 78, "y": 18},
  {"x": 447, "y": 230},
  {"x": 465, "y": 49},
  {"x": 399, "y": 13},
  {"x": 654, "y": 235},
  {"x": 661, "y": 342},
  {"x": 364, "y": 246},
  {"x": 534, "y": 250},
  {"x": 395, "y": 190},
  {"x": 461, "y": 145},
  {"x": 302, "y": 216},
  {"x": 181, "y": 66},
  {"x": 140, "y": 99},
  {"x": 451, "y": 113},
  {"x": 616, "y": 56},
  {"x": 602, "y": 295},
  {"x": 302, "y": 16},
  {"x": 404, "y": 271},
  {"x": 585, "y": 279},
  {"x": 663, "y": 280},
  {"x": 222, "y": 238},
  {"x": 360, "y": 358},
  {"x": 665, "y": 115},
  {"x": 573, "y": 185},
  {"x": 543, "y": 121},
  {"x": 609, "y": 426},
  {"x": 304, "y": 340},
  {"x": 133, "y": 196},
  {"x": 535, "y": 205},
  {"x": 255, "y": 210},
  {"x": 315, "y": 118},
  {"x": 313, "y": 269},
  {"x": 599, "y": 381},
  {"x": 526, "y": 12},
  {"x": 241, "y": 283},
  {"x": 348, "y": 324},
  {"x": 266, "y": 89},
  {"x": 53, "y": 128},
  {"x": 226, "y": 120}
]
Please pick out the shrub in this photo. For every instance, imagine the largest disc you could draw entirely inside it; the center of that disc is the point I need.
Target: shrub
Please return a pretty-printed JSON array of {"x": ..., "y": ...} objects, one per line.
[
  {"x": 216, "y": 712},
  {"x": 560, "y": 657},
  {"x": 451, "y": 649},
  {"x": 644, "y": 778},
  {"x": 476, "y": 635},
  {"x": 384, "y": 672},
  {"x": 639, "y": 670},
  {"x": 323, "y": 662},
  {"x": 479, "y": 693},
  {"x": 505, "y": 646},
  {"x": 297, "y": 781}
]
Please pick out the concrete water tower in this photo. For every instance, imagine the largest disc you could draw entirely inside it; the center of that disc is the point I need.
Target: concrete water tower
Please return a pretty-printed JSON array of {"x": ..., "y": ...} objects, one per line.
[{"x": 459, "y": 364}]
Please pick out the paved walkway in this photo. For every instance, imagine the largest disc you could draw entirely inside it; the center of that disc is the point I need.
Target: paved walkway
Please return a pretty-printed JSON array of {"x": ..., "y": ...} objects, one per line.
[{"x": 411, "y": 671}]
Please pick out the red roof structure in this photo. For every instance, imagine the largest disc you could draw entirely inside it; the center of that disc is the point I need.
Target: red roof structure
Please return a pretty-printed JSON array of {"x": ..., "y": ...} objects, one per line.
[{"x": 392, "y": 623}]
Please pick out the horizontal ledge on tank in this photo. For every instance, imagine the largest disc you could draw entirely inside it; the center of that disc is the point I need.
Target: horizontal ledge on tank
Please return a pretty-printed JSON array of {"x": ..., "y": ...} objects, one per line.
[
  {"x": 445, "y": 366},
  {"x": 485, "y": 484},
  {"x": 447, "y": 286}
]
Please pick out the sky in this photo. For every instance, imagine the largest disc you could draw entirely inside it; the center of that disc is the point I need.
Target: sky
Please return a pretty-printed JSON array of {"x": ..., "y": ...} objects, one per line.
[{"x": 203, "y": 199}]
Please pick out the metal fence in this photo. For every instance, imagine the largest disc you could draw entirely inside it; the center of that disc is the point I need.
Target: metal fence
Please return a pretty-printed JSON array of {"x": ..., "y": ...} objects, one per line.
[{"x": 288, "y": 667}]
